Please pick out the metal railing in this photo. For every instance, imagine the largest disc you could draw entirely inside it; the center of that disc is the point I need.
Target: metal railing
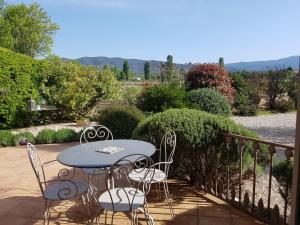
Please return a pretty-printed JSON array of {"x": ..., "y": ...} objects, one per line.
[{"x": 229, "y": 184}]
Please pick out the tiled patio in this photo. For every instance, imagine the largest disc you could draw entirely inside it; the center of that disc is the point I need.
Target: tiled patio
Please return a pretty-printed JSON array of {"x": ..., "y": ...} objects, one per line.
[{"x": 21, "y": 202}]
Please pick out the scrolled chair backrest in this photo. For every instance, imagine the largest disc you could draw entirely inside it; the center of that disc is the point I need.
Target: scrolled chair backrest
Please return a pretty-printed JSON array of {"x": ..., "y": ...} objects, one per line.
[
  {"x": 37, "y": 166},
  {"x": 138, "y": 165},
  {"x": 95, "y": 133},
  {"x": 166, "y": 150}
]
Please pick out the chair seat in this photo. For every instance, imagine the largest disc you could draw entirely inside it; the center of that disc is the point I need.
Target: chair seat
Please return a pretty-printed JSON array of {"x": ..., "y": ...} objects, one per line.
[
  {"x": 62, "y": 190},
  {"x": 122, "y": 199},
  {"x": 94, "y": 171},
  {"x": 138, "y": 175}
]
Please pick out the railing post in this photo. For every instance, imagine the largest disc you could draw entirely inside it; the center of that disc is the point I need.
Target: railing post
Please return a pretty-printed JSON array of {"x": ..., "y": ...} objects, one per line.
[
  {"x": 241, "y": 147},
  {"x": 272, "y": 151},
  {"x": 255, "y": 151},
  {"x": 228, "y": 142},
  {"x": 288, "y": 155},
  {"x": 295, "y": 207}
]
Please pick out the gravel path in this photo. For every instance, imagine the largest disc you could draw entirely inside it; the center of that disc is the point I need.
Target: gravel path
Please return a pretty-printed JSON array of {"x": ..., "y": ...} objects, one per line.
[
  {"x": 36, "y": 129},
  {"x": 279, "y": 128}
]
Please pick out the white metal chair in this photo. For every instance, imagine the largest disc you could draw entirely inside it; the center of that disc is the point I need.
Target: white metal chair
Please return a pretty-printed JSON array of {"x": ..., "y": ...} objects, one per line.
[
  {"x": 54, "y": 190},
  {"x": 91, "y": 134},
  {"x": 124, "y": 194},
  {"x": 161, "y": 168}
]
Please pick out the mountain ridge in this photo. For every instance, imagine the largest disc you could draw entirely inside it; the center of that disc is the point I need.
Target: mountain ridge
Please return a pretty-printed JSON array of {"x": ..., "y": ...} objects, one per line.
[{"x": 137, "y": 65}]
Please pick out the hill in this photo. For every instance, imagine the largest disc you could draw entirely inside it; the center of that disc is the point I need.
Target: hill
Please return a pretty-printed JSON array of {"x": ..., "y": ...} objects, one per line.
[
  {"x": 137, "y": 65},
  {"x": 292, "y": 61}
]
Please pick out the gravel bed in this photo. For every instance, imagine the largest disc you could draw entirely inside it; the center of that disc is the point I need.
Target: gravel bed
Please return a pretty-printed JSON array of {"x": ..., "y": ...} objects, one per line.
[
  {"x": 262, "y": 184},
  {"x": 279, "y": 128}
]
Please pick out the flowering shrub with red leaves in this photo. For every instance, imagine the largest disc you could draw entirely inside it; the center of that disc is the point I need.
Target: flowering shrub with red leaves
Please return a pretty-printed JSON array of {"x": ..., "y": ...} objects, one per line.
[{"x": 209, "y": 75}]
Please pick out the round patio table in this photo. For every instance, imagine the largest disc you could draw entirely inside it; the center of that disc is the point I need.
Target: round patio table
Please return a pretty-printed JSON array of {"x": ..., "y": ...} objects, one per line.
[{"x": 89, "y": 155}]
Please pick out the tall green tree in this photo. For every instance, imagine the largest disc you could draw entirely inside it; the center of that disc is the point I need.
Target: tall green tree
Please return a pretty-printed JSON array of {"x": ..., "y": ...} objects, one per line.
[
  {"x": 162, "y": 72},
  {"x": 147, "y": 70},
  {"x": 6, "y": 38},
  {"x": 75, "y": 88},
  {"x": 221, "y": 61},
  {"x": 169, "y": 67},
  {"x": 2, "y": 4},
  {"x": 126, "y": 69},
  {"x": 30, "y": 27}
]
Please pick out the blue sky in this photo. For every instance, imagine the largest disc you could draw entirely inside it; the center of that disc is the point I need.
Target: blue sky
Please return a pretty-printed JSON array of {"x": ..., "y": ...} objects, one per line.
[{"x": 190, "y": 30}]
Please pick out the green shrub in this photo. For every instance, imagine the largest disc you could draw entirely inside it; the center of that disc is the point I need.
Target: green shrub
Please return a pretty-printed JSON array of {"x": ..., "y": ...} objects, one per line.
[
  {"x": 247, "y": 99},
  {"x": 131, "y": 94},
  {"x": 24, "y": 138},
  {"x": 244, "y": 106},
  {"x": 210, "y": 75},
  {"x": 121, "y": 120},
  {"x": 208, "y": 100},
  {"x": 64, "y": 135},
  {"x": 283, "y": 105},
  {"x": 75, "y": 88},
  {"x": 200, "y": 149},
  {"x": 6, "y": 138},
  {"x": 291, "y": 84},
  {"x": 161, "y": 97},
  {"x": 18, "y": 75},
  {"x": 45, "y": 136}
]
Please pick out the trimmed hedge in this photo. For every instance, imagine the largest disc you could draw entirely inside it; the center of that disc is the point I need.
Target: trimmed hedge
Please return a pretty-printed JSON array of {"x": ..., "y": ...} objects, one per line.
[
  {"x": 121, "y": 120},
  {"x": 208, "y": 100},
  {"x": 200, "y": 149}
]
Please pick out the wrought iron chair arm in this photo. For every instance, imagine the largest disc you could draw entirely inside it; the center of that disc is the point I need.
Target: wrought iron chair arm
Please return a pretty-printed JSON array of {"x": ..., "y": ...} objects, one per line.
[{"x": 48, "y": 162}]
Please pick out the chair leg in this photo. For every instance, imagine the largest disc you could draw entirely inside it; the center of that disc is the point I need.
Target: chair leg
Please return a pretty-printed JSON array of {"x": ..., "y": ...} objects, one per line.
[
  {"x": 112, "y": 218},
  {"x": 98, "y": 218},
  {"x": 167, "y": 194},
  {"x": 46, "y": 211},
  {"x": 159, "y": 196},
  {"x": 147, "y": 215},
  {"x": 157, "y": 185},
  {"x": 86, "y": 205},
  {"x": 134, "y": 218},
  {"x": 47, "y": 214},
  {"x": 105, "y": 216}
]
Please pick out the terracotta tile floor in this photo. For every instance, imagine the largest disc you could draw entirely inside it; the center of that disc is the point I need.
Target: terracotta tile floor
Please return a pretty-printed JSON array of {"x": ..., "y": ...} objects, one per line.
[{"x": 21, "y": 202}]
